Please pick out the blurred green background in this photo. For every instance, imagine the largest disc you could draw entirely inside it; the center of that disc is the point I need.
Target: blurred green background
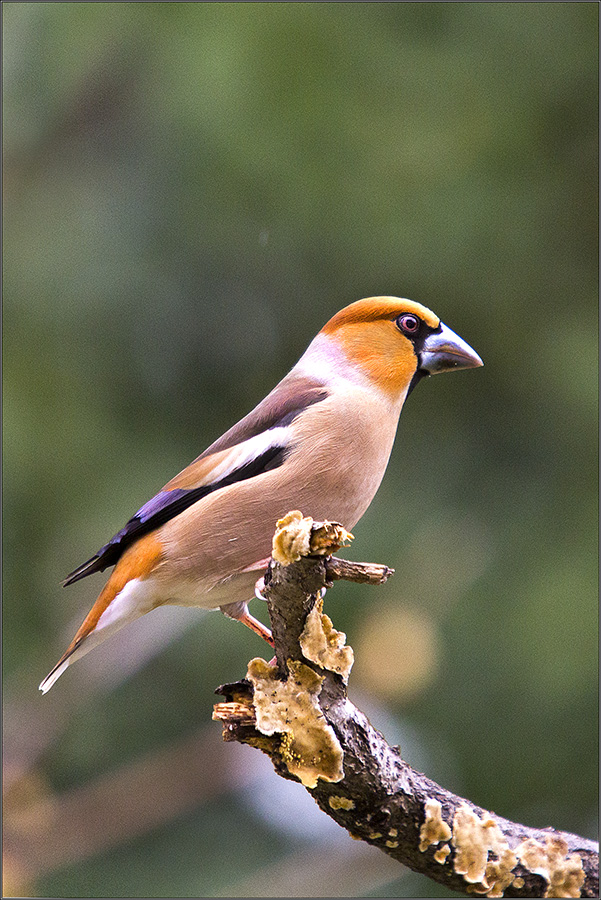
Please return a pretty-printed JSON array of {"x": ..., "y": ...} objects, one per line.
[{"x": 190, "y": 192}]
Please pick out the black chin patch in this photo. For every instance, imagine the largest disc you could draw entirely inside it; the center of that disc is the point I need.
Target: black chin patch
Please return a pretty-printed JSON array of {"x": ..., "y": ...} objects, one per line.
[{"x": 419, "y": 375}]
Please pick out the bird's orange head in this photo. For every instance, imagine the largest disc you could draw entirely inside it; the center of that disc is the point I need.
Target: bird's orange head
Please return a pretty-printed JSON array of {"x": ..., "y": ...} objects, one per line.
[{"x": 396, "y": 341}]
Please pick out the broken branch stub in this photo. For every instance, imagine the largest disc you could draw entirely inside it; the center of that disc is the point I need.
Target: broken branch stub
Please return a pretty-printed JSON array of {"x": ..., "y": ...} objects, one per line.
[{"x": 298, "y": 712}]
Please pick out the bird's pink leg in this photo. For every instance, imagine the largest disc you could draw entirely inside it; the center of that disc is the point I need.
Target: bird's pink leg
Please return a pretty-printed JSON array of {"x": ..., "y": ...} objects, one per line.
[
  {"x": 257, "y": 627},
  {"x": 239, "y": 612}
]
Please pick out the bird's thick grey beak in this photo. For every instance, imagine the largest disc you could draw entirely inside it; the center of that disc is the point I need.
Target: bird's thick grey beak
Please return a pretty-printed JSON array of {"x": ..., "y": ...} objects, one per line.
[{"x": 445, "y": 350}]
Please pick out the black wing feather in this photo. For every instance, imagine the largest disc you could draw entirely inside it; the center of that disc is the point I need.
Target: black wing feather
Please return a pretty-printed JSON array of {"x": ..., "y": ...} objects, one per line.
[{"x": 167, "y": 504}]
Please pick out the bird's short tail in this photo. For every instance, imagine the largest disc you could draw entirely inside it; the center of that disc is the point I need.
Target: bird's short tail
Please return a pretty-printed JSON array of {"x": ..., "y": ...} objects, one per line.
[
  {"x": 126, "y": 596},
  {"x": 73, "y": 652},
  {"x": 93, "y": 630}
]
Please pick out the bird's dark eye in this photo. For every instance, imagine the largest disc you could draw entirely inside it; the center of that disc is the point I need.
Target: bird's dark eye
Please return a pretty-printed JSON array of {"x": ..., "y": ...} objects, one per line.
[{"x": 408, "y": 324}]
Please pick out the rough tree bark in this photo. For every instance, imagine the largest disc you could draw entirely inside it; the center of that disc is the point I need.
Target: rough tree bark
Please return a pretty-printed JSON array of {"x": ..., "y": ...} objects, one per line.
[{"x": 297, "y": 711}]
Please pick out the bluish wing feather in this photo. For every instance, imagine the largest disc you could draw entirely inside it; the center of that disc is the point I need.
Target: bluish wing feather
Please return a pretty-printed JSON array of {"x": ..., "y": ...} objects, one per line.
[
  {"x": 258, "y": 443},
  {"x": 167, "y": 504}
]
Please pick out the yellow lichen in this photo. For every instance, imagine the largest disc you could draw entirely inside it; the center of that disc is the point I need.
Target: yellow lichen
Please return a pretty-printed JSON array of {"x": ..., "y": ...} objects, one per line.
[
  {"x": 323, "y": 645},
  {"x": 473, "y": 839},
  {"x": 435, "y": 829},
  {"x": 393, "y": 832},
  {"x": 341, "y": 803},
  {"x": 309, "y": 746},
  {"x": 292, "y": 537},
  {"x": 499, "y": 874},
  {"x": 374, "y": 835},
  {"x": 392, "y": 844},
  {"x": 297, "y": 536},
  {"x": 562, "y": 871},
  {"x": 441, "y": 854}
]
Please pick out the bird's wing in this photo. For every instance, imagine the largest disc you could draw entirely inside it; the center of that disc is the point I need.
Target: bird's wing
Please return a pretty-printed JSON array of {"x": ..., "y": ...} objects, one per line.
[{"x": 256, "y": 444}]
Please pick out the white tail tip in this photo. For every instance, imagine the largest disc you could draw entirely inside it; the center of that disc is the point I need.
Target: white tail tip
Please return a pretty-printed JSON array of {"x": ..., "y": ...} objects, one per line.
[{"x": 49, "y": 680}]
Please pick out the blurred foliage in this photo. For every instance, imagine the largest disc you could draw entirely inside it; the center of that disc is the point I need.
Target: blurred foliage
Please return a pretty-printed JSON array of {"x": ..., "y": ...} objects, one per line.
[{"x": 190, "y": 191}]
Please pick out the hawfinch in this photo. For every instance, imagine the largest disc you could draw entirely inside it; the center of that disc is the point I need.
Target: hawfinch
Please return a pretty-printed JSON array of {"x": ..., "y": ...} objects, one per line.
[{"x": 319, "y": 442}]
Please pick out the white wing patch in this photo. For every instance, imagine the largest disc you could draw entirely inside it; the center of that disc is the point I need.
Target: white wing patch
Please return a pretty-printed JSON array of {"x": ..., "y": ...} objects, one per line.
[{"x": 247, "y": 451}]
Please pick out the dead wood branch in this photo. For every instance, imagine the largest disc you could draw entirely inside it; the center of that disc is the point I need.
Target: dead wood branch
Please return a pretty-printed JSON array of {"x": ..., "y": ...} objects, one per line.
[{"x": 298, "y": 713}]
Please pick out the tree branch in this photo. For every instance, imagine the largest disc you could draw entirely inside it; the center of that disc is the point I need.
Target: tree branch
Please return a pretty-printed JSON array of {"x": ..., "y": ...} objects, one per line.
[{"x": 297, "y": 711}]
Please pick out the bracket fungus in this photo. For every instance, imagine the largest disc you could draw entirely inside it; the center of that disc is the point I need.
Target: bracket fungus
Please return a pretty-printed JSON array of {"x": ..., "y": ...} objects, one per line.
[{"x": 309, "y": 746}]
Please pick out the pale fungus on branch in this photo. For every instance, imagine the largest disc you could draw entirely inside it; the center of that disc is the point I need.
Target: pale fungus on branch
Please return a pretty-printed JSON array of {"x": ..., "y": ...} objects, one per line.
[
  {"x": 290, "y": 708},
  {"x": 296, "y": 710},
  {"x": 297, "y": 535}
]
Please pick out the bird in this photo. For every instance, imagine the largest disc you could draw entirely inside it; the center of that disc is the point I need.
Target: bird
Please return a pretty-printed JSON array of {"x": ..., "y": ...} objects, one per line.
[{"x": 319, "y": 442}]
